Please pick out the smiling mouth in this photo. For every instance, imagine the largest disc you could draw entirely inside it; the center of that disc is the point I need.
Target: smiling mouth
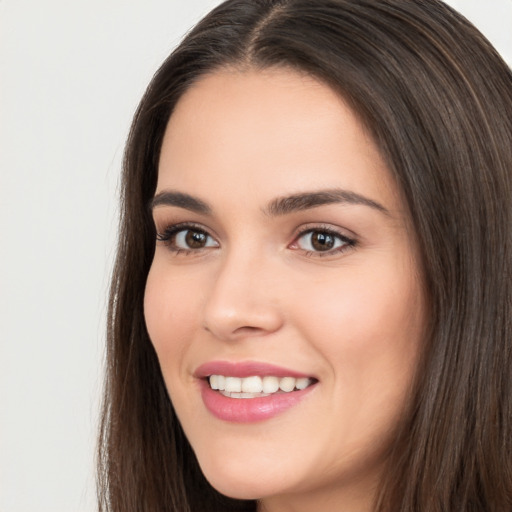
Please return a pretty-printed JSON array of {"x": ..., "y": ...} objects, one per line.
[{"x": 257, "y": 387}]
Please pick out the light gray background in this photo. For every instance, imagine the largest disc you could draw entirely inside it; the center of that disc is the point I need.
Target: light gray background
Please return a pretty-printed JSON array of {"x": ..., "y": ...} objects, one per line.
[{"x": 71, "y": 74}]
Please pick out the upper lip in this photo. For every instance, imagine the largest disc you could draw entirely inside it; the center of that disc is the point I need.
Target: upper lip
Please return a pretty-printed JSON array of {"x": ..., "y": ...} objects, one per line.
[{"x": 245, "y": 369}]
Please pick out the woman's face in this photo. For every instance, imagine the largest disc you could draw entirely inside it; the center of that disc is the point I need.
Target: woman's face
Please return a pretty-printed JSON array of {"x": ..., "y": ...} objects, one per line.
[{"x": 283, "y": 260}]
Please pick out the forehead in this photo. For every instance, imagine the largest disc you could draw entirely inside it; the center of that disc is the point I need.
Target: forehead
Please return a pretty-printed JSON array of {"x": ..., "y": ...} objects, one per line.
[{"x": 270, "y": 132}]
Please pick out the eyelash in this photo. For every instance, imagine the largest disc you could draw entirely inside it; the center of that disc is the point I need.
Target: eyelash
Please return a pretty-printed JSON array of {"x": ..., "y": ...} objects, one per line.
[
  {"x": 346, "y": 242},
  {"x": 168, "y": 237}
]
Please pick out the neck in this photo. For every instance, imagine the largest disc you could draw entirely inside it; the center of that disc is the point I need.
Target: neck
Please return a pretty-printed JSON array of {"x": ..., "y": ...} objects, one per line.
[{"x": 339, "y": 499}]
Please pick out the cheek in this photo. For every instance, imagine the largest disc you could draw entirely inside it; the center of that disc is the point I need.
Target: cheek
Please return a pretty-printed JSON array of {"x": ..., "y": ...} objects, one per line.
[
  {"x": 170, "y": 307},
  {"x": 367, "y": 325},
  {"x": 369, "y": 331}
]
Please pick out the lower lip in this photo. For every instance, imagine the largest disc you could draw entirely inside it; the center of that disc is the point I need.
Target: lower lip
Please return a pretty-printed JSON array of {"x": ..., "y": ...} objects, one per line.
[{"x": 249, "y": 410}]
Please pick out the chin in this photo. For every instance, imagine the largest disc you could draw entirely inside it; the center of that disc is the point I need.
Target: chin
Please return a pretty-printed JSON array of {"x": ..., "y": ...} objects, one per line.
[
  {"x": 237, "y": 480},
  {"x": 237, "y": 487}
]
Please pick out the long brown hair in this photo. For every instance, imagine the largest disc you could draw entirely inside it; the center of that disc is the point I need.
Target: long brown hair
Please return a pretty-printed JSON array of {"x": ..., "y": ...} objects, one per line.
[{"x": 437, "y": 99}]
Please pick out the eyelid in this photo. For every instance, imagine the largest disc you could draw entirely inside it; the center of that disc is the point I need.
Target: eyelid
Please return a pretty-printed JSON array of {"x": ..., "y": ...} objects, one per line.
[
  {"x": 168, "y": 236},
  {"x": 349, "y": 241},
  {"x": 171, "y": 230}
]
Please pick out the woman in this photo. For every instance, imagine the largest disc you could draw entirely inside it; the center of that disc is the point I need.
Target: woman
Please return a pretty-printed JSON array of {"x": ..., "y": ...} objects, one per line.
[{"x": 311, "y": 306}]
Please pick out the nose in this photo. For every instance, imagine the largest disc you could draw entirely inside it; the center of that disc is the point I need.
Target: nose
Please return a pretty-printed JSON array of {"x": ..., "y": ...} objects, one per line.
[{"x": 243, "y": 299}]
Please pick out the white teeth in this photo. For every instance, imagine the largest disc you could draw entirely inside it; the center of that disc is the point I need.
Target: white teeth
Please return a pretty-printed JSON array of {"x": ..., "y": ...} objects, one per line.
[
  {"x": 214, "y": 381},
  {"x": 255, "y": 386},
  {"x": 252, "y": 385},
  {"x": 270, "y": 384},
  {"x": 233, "y": 384},
  {"x": 302, "y": 383},
  {"x": 243, "y": 395},
  {"x": 287, "y": 384}
]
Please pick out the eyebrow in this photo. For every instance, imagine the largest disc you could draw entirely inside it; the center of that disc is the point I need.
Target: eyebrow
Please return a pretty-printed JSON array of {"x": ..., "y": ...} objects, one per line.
[
  {"x": 308, "y": 200},
  {"x": 181, "y": 200},
  {"x": 277, "y": 207}
]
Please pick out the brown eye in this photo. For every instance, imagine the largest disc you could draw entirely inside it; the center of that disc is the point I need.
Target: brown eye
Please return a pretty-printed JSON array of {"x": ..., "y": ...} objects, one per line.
[
  {"x": 323, "y": 241},
  {"x": 179, "y": 238},
  {"x": 195, "y": 239},
  {"x": 192, "y": 239}
]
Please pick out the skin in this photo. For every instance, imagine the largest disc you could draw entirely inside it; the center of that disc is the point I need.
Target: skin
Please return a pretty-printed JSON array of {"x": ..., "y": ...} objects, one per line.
[{"x": 259, "y": 291}]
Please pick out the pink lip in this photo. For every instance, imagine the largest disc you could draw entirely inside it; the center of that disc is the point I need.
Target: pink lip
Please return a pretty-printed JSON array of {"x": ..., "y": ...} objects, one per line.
[
  {"x": 247, "y": 410},
  {"x": 245, "y": 369}
]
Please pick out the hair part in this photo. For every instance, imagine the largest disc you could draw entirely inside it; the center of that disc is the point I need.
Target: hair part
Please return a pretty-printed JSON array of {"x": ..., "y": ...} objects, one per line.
[{"x": 437, "y": 99}]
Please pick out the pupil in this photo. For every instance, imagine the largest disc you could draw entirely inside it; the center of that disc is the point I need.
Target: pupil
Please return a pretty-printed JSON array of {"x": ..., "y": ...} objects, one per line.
[
  {"x": 195, "y": 239},
  {"x": 322, "y": 241}
]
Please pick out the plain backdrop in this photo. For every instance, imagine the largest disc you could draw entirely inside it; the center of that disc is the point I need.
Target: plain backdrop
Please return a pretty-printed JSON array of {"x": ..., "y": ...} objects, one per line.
[{"x": 71, "y": 75}]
